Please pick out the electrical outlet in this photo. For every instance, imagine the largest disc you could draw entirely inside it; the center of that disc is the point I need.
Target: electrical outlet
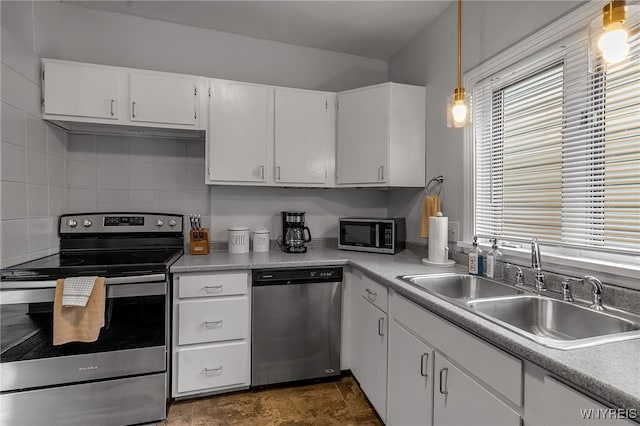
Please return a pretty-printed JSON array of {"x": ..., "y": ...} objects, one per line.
[{"x": 453, "y": 231}]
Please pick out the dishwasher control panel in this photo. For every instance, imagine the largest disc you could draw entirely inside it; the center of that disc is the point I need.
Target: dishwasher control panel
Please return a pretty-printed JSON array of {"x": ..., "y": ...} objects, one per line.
[{"x": 296, "y": 275}]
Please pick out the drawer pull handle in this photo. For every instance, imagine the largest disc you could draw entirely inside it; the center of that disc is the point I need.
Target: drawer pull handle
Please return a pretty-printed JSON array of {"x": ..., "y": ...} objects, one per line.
[
  {"x": 212, "y": 371},
  {"x": 424, "y": 360},
  {"x": 213, "y": 288},
  {"x": 371, "y": 294},
  {"x": 212, "y": 324},
  {"x": 444, "y": 373},
  {"x": 381, "y": 327}
]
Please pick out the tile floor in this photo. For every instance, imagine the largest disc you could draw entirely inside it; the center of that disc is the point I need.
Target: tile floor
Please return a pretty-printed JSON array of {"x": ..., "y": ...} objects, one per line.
[{"x": 329, "y": 403}]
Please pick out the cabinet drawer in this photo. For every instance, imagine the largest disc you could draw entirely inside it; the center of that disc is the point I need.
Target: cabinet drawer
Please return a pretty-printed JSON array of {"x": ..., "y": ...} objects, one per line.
[
  {"x": 494, "y": 367},
  {"x": 213, "y": 320},
  {"x": 204, "y": 285},
  {"x": 217, "y": 366},
  {"x": 374, "y": 293}
]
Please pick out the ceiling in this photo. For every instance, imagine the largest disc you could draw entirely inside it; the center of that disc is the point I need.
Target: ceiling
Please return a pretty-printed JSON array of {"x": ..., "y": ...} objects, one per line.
[{"x": 374, "y": 29}]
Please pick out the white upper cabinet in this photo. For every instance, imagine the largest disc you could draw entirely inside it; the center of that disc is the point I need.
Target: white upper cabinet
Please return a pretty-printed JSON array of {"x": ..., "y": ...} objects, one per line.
[
  {"x": 363, "y": 134},
  {"x": 301, "y": 136},
  {"x": 163, "y": 98},
  {"x": 81, "y": 90},
  {"x": 77, "y": 92},
  {"x": 381, "y": 136},
  {"x": 238, "y": 134}
]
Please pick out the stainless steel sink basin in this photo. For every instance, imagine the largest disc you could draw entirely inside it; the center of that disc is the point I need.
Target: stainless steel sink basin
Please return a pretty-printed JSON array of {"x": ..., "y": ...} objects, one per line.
[
  {"x": 555, "y": 323},
  {"x": 545, "y": 320},
  {"x": 459, "y": 286}
]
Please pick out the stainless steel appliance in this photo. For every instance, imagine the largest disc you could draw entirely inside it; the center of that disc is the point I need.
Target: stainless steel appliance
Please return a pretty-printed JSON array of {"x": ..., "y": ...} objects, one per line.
[
  {"x": 294, "y": 233},
  {"x": 375, "y": 235},
  {"x": 295, "y": 327},
  {"x": 122, "y": 377}
]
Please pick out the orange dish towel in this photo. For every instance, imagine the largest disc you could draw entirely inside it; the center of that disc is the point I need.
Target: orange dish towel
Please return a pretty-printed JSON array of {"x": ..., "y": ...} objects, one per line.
[
  {"x": 431, "y": 208},
  {"x": 76, "y": 323}
]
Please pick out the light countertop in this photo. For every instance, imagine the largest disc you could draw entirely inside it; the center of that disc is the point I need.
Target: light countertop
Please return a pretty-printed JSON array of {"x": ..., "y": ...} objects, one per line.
[{"x": 610, "y": 371}]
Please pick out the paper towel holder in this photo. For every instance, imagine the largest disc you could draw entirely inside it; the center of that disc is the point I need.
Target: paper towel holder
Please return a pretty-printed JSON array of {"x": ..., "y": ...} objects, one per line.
[{"x": 438, "y": 181}]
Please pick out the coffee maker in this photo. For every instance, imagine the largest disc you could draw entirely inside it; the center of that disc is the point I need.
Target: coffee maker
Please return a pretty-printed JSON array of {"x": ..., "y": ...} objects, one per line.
[{"x": 294, "y": 233}]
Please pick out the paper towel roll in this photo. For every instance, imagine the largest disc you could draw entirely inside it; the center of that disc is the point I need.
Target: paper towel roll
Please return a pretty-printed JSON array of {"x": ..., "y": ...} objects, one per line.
[{"x": 438, "y": 238}]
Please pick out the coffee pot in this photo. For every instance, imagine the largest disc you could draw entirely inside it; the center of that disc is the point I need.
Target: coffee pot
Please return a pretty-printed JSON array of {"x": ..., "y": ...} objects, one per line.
[{"x": 294, "y": 232}]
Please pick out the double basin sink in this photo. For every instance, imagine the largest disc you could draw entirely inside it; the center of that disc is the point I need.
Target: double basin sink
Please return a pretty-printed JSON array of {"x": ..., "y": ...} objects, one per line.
[{"x": 545, "y": 320}]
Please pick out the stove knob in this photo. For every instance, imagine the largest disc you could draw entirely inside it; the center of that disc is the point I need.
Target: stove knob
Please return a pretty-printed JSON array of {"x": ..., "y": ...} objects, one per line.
[
  {"x": 159, "y": 222},
  {"x": 86, "y": 223},
  {"x": 72, "y": 223},
  {"x": 172, "y": 222}
]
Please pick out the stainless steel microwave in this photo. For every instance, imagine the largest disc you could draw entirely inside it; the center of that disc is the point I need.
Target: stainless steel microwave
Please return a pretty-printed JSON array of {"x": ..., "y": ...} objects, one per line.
[{"x": 375, "y": 235}]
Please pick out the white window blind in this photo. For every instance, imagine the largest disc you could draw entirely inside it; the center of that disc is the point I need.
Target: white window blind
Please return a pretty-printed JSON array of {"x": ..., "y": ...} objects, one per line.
[{"x": 557, "y": 151}]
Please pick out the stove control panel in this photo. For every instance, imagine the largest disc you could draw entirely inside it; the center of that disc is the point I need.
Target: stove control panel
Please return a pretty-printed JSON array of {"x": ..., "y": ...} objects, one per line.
[{"x": 120, "y": 223}]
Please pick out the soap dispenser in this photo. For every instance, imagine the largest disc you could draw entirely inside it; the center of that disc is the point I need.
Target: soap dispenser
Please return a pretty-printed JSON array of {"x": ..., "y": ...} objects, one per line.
[
  {"x": 492, "y": 271},
  {"x": 475, "y": 258}
]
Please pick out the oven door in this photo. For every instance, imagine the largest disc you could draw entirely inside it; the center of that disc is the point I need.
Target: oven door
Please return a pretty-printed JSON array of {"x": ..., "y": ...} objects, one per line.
[{"x": 132, "y": 341}]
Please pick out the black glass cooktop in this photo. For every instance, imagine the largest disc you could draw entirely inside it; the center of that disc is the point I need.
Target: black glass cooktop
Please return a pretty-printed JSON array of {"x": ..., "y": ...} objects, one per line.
[{"x": 100, "y": 263}]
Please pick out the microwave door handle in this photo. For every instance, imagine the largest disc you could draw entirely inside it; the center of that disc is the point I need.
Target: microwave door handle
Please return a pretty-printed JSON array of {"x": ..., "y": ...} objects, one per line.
[{"x": 377, "y": 235}]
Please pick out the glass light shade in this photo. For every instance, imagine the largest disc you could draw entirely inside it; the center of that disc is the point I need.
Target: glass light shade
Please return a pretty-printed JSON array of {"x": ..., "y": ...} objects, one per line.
[
  {"x": 458, "y": 111},
  {"x": 613, "y": 43}
]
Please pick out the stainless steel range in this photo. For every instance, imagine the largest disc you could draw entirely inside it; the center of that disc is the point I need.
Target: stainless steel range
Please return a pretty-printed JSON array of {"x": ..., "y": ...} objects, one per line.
[{"x": 122, "y": 377}]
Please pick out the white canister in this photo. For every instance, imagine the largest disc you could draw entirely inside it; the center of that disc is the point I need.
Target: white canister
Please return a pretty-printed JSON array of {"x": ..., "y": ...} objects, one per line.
[
  {"x": 239, "y": 239},
  {"x": 261, "y": 239}
]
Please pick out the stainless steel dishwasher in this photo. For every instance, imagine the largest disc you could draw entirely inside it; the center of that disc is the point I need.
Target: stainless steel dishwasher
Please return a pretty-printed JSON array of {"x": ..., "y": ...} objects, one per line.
[{"x": 295, "y": 326}]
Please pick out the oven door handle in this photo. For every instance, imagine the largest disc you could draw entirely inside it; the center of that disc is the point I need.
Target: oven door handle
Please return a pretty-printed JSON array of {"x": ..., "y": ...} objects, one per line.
[{"x": 32, "y": 285}]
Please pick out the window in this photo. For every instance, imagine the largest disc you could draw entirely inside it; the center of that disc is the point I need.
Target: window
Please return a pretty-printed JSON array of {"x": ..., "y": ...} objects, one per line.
[{"x": 557, "y": 150}]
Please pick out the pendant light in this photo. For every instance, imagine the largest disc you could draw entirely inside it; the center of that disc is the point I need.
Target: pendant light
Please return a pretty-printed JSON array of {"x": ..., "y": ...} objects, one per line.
[
  {"x": 613, "y": 43},
  {"x": 458, "y": 104}
]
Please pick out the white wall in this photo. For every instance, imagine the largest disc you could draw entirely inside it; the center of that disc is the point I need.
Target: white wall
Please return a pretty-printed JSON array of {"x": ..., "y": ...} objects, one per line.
[
  {"x": 116, "y": 39},
  {"x": 33, "y": 152},
  {"x": 430, "y": 59}
]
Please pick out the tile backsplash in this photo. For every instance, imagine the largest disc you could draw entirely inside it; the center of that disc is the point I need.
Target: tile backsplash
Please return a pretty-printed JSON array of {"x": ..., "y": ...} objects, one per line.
[
  {"x": 119, "y": 173},
  {"x": 33, "y": 160}
]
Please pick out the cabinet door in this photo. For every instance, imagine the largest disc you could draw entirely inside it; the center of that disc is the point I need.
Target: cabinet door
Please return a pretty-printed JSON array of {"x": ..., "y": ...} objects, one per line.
[
  {"x": 81, "y": 91},
  {"x": 363, "y": 136},
  {"x": 369, "y": 362},
  {"x": 238, "y": 132},
  {"x": 300, "y": 136},
  {"x": 410, "y": 390},
  {"x": 566, "y": 406},
  {"x": 458, "y": 400},
  {"x": 165, "y": 99}
]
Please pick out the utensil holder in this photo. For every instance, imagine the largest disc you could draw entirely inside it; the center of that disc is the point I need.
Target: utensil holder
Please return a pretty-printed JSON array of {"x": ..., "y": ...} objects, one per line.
[{"x": 199, "y": 241}]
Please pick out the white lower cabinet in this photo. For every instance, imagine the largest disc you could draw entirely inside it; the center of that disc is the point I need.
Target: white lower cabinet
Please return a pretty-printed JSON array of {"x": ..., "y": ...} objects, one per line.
[
  {"x": 211, "y": 333},
  {"x": 459, "y": 400},
  {"x": 549, "y": 402},
  {"x": 410, "y": 380},
  {"x": 369, "y": 351},
  {"x": 212, "y": 367}
]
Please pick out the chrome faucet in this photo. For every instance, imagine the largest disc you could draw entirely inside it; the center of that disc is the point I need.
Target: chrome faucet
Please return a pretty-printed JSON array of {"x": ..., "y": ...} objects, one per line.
[
  {"x": 536, "y": 266},
  {"x": 597, "y": 292}
]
